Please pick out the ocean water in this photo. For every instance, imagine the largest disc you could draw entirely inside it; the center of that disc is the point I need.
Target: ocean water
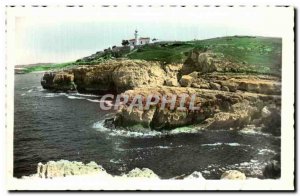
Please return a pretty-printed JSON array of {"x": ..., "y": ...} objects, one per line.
[{"x": 53, "y": 126}]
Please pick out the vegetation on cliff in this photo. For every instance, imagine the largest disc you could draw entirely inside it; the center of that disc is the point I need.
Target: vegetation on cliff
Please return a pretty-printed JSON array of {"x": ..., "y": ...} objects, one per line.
[{"x": 256, "y": 54}]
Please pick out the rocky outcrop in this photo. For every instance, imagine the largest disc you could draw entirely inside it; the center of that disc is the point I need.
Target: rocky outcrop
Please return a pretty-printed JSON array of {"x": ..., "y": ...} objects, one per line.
[
  {"x": 64, "y": 168},
  {"x": 60, "y": 81},
  {"x": 186, "y": 81},
  {"x": 233, "y": 82},
  {"x": 142, "y": 173},
  {"x": 69, "y": 169},
  {"x": 218, "y": 109},
  {"x": 172, "y": 72},
  {"x": 207, "y": 62},
  {"x": 109, "y": 76},
  {"x": 233, "y": 175}
]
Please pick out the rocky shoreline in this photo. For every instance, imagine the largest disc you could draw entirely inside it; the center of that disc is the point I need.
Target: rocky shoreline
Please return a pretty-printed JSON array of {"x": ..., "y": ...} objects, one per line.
[
  {"x": 67, "y": 169},
  {"x": 228, "y": 98}
]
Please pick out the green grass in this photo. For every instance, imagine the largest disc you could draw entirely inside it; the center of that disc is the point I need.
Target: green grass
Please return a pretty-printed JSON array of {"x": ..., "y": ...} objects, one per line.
[
  {"x": 58, "y": 66},
  {"x": 169, "y": 53},
  {"x": 260, "y": 54},
  {"x": 49, "y": 67},
  {"x": 256, "y": 54}
]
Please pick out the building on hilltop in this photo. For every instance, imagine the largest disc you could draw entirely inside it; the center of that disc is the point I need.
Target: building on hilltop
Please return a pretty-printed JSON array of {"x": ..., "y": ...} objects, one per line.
[{"x": 138, "y": 41}]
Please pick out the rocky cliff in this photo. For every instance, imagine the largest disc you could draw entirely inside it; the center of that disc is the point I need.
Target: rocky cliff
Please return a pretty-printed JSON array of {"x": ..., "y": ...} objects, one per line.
[
  {"x": 110, "y": 76},
  {"x": 228, "y": 97}
]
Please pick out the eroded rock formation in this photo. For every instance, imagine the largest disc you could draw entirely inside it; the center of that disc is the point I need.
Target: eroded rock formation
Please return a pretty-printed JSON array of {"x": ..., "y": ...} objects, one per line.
[
  {"x": 228, "y": 99},
  {"x": 110, "y": 76},
  {"x": 218, "y": 109}
]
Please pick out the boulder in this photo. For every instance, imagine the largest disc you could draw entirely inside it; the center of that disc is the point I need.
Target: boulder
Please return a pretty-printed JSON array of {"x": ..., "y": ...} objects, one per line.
[
  {"x": 233, "y": 175},
  {"x": 207, "y": 62},
  {"x": 64, "y": 168},
  {"x": 186, "y": 81},
  {"x": 142, "y": 173},
  {"x": 201, "y": 62}
]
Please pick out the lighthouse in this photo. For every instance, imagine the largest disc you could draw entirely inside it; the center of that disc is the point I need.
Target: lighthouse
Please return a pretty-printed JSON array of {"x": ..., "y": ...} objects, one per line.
[{"x": 136, "y": 42}]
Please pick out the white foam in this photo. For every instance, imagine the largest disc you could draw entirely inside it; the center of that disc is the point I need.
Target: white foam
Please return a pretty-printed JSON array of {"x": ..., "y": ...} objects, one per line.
[
  {"x": 228, "y": 144},
  {"x": 93, "y": 100},
  {"x": 125, "y": 133},
  {"x": 74, "y": 97},
  {"x": 153, "y": 147},
  {"x": 115, "y": 161},
  {"x": 99, "y": 126},
  {"x": 84, "y": 95},
  {"x": 181, "y": 130},
  {"x": 266, "y": 151},
  {"x": 253, "y": 131},
  {"x": 51, "y": 95}
]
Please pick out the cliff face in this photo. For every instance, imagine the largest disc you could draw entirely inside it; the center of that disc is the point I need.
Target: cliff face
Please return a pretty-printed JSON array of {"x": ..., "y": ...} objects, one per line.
[
  {"x": 218, "y": 109},
  {"x": 110, "y": 76},
  {"x": 228, "y": 98}
]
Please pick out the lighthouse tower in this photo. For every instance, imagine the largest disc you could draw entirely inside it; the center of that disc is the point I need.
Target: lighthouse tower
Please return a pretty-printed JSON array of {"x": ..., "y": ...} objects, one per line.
[{"x": 136, "y": 37}]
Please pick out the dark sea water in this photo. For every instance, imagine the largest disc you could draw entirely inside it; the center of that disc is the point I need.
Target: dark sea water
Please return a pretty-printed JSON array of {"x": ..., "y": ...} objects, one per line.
[{"x": 53, "y": 126}]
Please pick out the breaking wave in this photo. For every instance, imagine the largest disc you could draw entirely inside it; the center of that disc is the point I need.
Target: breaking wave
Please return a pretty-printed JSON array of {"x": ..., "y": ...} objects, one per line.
[
  {"x": 143, "y": 132},
  {"x": 251, "y": 130},
  {"x": 266, "y": 151},
  {"x": 88, "y": 97},
  {"x": 220, "y": 144},
  {"x": 99, "y": 126}
]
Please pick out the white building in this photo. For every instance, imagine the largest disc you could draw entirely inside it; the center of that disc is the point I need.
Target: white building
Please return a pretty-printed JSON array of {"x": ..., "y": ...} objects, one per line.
[{"x": 138, "y": 41}]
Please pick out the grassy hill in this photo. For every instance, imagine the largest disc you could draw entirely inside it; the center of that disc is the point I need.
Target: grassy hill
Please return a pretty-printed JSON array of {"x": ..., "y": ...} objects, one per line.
[{"x": 260, "y": 54}]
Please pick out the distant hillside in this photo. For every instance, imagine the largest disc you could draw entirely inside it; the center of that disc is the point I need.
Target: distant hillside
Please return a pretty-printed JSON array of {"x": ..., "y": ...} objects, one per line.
[
  {"x": 260, "y": 54},
  {"x": 33, "y": 65}
]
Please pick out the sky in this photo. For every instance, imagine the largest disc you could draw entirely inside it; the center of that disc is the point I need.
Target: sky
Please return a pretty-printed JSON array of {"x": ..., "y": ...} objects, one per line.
[{"x": 64, "y": 35}]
